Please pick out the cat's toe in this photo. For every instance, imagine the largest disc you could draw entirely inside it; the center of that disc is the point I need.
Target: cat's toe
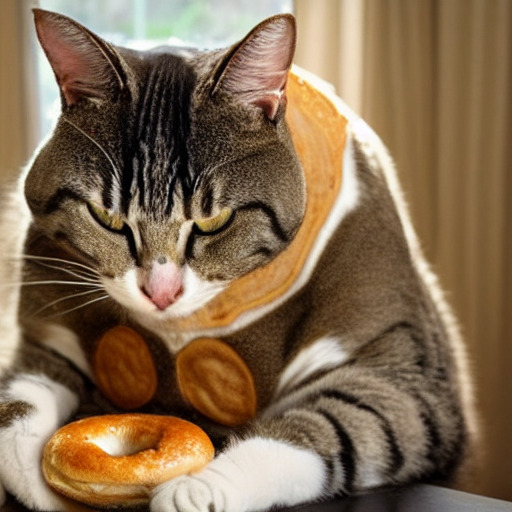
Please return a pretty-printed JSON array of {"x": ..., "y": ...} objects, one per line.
[{"x": 187, "y": 494}]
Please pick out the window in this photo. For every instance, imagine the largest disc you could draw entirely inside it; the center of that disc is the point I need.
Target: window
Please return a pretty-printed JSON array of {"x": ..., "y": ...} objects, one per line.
[{"x": 142, "y": 24}]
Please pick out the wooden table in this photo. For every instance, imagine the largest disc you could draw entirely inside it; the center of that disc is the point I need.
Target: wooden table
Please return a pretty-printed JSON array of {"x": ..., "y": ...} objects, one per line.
[{"x": 415, "y": 498}]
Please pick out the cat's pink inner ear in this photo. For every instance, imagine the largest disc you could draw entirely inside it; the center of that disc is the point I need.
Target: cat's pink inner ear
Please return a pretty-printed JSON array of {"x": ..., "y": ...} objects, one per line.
[
  {"x": 81, "y": 65},
  {"x": 257, "y": 72}
]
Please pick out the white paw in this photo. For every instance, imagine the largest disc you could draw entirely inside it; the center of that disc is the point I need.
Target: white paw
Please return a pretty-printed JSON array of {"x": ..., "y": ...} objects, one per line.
[
  {"x": 20, "y": 472},
  {"x": 22, "y": 442},
  {"x": 255, "y": 474},
  {"x": 184, "y": 494},
  {"x": 205, "y": 492}
]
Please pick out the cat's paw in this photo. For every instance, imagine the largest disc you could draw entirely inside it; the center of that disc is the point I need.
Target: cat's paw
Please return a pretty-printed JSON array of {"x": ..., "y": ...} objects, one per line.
[
  {"x": 254, "y": 474},
  {"x": 184, "y": 494},
  {"x": 21, "y": 476},
  {"x": 32, "y": 412},
  {"x": 206, "y": 492}
]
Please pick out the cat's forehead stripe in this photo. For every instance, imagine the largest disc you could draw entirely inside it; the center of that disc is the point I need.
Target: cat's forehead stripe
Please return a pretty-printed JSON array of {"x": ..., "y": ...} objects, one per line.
[{"x": 160, "y": 120}]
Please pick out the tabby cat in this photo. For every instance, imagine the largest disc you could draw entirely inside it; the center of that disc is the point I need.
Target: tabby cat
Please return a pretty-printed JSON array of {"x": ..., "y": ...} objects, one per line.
[{"x": 171, "y": 177}]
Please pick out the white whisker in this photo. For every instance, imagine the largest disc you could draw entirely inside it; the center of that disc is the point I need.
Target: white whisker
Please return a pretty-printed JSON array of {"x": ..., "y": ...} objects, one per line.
[
  {"x": 44, "y": 282},
  {"x": 68, "y": 297},
  {"x": 117, "y": 174},
  {"x": 60, "y": 260},
  {"x": 61, "y": 313},
  {"x": 91, "y": 278}
]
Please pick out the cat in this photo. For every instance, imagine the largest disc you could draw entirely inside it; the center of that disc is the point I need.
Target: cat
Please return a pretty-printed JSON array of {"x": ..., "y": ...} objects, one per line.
[{"x": 171, "y": 177}]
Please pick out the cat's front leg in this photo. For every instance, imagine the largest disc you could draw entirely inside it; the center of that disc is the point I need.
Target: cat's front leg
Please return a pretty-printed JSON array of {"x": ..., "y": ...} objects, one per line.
[
  {"x": 252, "y": 474},
  {"x": 32, "y": 408}
]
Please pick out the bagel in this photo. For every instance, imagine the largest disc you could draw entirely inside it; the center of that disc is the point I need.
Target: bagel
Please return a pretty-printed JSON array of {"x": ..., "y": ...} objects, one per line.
[{"x": 116, "y": 460}]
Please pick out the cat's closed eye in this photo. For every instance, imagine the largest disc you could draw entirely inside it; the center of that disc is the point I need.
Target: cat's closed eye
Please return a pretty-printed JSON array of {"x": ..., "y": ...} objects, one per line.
[
  {"x": 109, "y": 220},
  {"x": 215, "y": 224}
]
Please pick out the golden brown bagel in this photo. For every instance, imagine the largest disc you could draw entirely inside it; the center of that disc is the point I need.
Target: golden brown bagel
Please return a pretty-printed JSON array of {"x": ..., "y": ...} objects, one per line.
[{"x": 116, "y": 460}]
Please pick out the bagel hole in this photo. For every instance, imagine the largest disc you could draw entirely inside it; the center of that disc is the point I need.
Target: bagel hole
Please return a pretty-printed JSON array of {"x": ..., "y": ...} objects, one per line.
[{"x": 123, "y": 444}]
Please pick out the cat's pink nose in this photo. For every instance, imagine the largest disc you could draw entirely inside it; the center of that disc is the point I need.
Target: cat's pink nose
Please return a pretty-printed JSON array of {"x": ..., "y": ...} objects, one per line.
[{"x": 163, "y": 283}]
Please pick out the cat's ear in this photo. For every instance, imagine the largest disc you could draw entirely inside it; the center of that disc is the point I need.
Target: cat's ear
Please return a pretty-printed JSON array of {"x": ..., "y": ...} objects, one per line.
[
  {"x": 85, "y": 66},
  {"x": 256, "y": 71}
]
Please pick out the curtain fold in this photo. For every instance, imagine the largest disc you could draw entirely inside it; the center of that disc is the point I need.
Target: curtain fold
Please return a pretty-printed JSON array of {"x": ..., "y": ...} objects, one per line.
[
  {"x": 19, "y": 118},
  {"x": 434, "y": 79}
]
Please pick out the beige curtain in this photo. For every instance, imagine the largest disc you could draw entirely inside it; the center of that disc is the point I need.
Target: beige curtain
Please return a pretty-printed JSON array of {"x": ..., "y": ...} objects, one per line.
[
  {"x": 434, "y": 78},
  {"x": 19, "y": 123}
]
